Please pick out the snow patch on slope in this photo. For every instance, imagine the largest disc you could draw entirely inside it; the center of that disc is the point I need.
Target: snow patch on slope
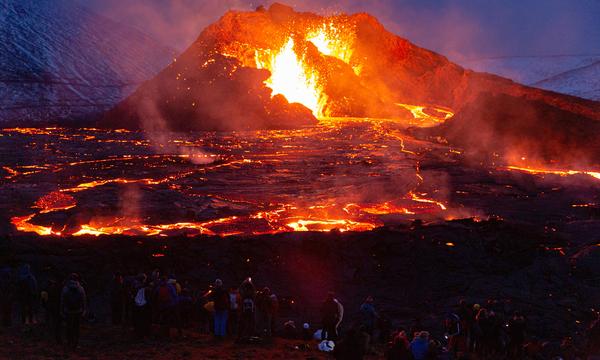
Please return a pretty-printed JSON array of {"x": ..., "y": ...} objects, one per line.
[{"x": 61, "y": 61}]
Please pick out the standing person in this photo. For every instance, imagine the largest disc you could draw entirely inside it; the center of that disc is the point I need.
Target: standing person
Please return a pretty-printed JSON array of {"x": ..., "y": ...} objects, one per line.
[
  {"x": 399, "y": 348},
  {"x": 234, "y": 307},
  {"x": 332, "y": 313},
  {"x": 141, "y": 312},
  {"x": 73, "y": 307},
  {"x": 484, "y": 341},
  {"x": 248, "y": 296},
  {"x": 166, "y": 300},
  {"x": 27, "y": 291},
  {"x": 516, "y": 334},
  {"x": 420, "y": 345},
  {"x": 369, "y": 315},
  {"x": 53, "y": 315},
  {"x": 220, "y": 298},
  {"x": 465, "y": 313},
  {"x": 274, "y": 311},
  {"x": 6, "y": 295},
  {"x": 117, "y": 298},
  {"x": 264, "y": 312}
]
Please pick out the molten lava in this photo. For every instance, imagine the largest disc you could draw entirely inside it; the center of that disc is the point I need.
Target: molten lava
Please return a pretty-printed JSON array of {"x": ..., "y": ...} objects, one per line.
[
  {"x": 559, "y": 172},
  {"x": 292, "y": 78}
]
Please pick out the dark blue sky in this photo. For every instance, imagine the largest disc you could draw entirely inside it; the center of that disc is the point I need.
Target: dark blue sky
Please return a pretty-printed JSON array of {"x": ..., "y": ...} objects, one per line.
[{"x": 458, "y": 29}]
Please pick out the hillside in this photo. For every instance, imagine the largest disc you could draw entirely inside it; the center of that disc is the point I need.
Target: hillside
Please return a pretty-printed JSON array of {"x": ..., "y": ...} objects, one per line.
[{"x": 60, "y": 61}]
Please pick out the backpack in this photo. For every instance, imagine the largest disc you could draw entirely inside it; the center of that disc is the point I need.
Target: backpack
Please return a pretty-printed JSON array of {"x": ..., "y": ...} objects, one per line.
[
  {"x": 164, "y": 295},
  {"x": 140, "y": 297},
  {"x": 73, "y": 300},
  {"x": 248, "y": 305}
]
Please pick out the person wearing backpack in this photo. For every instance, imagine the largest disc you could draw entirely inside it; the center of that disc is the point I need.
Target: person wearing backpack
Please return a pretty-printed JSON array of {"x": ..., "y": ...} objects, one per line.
[
  {"x": 142, "y": 314},
  {"x": 264, "y": 312},
  {"x": 52, "y": 306},
  {"x": 27, "y": 293},
  {"x": 332, "y": 313},
  {"x": 234, "y": 311},
  {"x": 166, "y": 300},
  {"x": 73, "y": 307},
  {"x": 248, "y": 296},
  {"x": 220, "y": 298}
]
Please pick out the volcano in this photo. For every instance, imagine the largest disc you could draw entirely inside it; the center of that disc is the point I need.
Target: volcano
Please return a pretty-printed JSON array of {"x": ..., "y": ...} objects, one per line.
[{"x": 279, "y": 68}]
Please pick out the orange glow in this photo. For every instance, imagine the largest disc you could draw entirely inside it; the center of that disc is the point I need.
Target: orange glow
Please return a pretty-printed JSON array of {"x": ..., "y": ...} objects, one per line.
[
  {"x": 292, "y": 78},
  {"x": 540, "y": 171},
  {"x": 418, "y": 113},
  {"x": 382, "y": 209},
  {"x": 328, "y": 225},
  {"x": 22, "y": 224},
  {"x": 421, "y": 199},
  {"x": 55, "y": 201},
  {"x": 328, "y": 39}
]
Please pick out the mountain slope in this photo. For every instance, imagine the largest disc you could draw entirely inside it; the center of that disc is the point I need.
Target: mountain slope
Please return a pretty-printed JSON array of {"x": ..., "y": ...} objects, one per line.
[
  {"x": 567, "y": 74},
  {"x": 60, "y": 61},
  {"x": 583, "y": 82}
]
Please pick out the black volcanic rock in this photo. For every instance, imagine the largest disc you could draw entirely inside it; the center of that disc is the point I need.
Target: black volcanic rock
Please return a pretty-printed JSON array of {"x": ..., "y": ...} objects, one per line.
[
  {"x": 501, "y": 123},
  {"x": 219, "y": 95}
]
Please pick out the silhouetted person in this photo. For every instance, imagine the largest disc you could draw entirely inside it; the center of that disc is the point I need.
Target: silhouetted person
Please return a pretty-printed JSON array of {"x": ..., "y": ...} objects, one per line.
[
  {"x": 27, "y": 293},
  {"x": 142, "y": 311},
  {"x": 234, "y": 311},
  {"x": 264, "y": 312},
  {"x": 516, "y": 334},
  {"x": 73, "y": 307},
  {"x": 419, "y": 347},
  {"x": 166, "y": 300},
  {"x": 369, "y": 315},
  {"x": 248, "y": 296},
  {"x": 117, "y": 299},
  {"x": 220, "y": 298},
  {"x": 331, "y": 314},
  {"x": 399, "y": 348},
  {"x": 52, "y": 307}
]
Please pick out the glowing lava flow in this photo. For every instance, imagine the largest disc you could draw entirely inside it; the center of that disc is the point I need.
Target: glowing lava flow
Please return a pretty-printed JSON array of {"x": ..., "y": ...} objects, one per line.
[
  {"x": 274, "y": 211},
  {"x": 291, "y": 78},
  {"x": 22, "y": 224},
  {"x": 328, "y": 225},
  {"x": 418, "y": 112},
  {"x": 329, "y": 41},
  {"x": 594, "y": 174}
]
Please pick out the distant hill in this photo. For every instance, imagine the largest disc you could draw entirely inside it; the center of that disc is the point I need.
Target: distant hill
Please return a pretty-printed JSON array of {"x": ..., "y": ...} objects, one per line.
[
  {"x": 60, "y": 61},
  {"x": 577, "y": 75}
]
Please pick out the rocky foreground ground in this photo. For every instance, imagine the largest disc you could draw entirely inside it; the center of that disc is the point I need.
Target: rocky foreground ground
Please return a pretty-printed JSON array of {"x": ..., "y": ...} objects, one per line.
[
  {"x": 415, "y": 272},
  {"x": 104, "y": 342}
]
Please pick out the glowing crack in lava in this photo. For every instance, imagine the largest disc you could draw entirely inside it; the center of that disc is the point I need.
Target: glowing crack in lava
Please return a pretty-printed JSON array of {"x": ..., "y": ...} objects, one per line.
[{"x": 309, "y": 179}]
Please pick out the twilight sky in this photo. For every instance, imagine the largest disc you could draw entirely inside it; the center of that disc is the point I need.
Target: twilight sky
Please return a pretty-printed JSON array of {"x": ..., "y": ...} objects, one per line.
[{"x": 459, "y": 29}]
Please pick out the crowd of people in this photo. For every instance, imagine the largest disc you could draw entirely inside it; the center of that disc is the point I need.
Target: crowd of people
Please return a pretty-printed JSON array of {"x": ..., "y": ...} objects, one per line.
[{"x": 154, "y": 304}]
